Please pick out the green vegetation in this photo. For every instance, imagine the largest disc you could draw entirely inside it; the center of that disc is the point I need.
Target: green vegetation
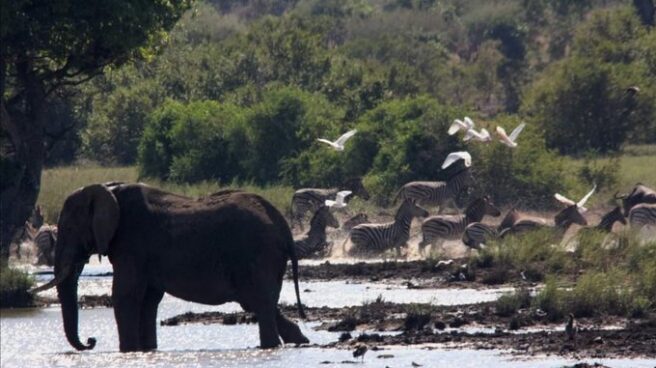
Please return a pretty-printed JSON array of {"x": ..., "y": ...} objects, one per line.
[
  {"x": 241, "y": 90},
  {"x": 14, "y": 286},
  {"x": 58, "y": 183},
  {"x": 614, "y": 275}
]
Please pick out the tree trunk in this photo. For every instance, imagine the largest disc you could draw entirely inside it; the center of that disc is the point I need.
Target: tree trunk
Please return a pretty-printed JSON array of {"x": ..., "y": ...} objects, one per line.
[{"x": 22, "y": 160}]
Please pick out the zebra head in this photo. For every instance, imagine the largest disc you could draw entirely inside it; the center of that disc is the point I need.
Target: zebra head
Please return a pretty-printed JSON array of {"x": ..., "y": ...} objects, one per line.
[
  {"x": 481, "y": 207},
  {"x": 410, "y": 209},
  {"x": 639, "y": 194}
]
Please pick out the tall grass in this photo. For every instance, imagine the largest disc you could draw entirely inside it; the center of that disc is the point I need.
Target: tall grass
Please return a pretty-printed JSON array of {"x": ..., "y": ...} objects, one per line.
[
  {"x": 58, "y": 183},
  {"x": 614, "y": 273},
  {"x": 13, "y": 287}
]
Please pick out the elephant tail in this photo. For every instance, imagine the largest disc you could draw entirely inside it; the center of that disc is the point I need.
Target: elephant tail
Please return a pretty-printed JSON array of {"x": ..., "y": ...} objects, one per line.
[{"x": 294, "y": 258}]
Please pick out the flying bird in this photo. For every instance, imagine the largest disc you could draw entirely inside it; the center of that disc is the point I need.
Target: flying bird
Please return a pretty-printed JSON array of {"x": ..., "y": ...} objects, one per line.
[
  {"x": 339, "y": 143},
  {"x": 580, "y": 204},
  {"x": 455, "y": 156},
  {"x": 459, "y": 124},
  {"x": 482, "y": 136},
  {"x": 339, "y": 199},
  {"x": 510, "y": 140}
]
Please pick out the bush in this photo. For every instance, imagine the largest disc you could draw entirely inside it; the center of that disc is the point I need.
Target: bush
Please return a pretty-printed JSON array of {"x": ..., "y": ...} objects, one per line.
[
  {"x": 525, "y": 173},
  {"x": 509, "y": 304},
  {"x": 582, "y": 102},
  {"x": 194, "y": 142},
  {"x": 14, "y": 286}
]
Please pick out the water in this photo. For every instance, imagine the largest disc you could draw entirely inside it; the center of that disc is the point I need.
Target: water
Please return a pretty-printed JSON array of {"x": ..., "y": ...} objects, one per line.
[{"x": 35, "y": 338}]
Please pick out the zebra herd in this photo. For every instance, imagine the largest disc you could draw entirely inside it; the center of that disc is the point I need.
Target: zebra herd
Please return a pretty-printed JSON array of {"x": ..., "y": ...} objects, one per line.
[{"x": 638, "y": 211}]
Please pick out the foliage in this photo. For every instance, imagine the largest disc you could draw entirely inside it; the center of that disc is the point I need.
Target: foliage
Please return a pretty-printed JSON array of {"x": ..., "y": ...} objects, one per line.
[
  {"x": 582, "y": 102},
  {"x": 13, "y": 287}
]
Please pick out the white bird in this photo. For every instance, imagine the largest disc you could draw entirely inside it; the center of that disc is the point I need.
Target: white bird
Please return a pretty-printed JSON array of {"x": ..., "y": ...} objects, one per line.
[
  {"x": 459, "y": 124},
  {"x": 455, "y": 156},
  {"x": 482, "y": 136},
  {"x": 510, "y": 140},
  {"x": 339, "y": 199},
  {"x": 339, "y": 143},
  {"x": 580, "y": 204}
]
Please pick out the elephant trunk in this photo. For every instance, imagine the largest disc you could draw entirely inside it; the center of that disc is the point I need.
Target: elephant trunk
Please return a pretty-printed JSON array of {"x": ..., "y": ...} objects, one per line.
[{"x": 67, "y": 291}]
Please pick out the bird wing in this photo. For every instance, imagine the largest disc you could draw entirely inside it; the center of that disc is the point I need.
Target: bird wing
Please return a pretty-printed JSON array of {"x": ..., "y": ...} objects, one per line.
[
  {"x": 485, "y": 134},
  {"x": 469, "y": 135},
  {"x": 564, "y": 200},
  {"x": 581, "y": 203},
  {"x": 469, "y": 123},
  {"x": 455, "y": 156},
  {"x": 326, "y": 141},
  {"x": 455, "y": 126},
  {"x": 515, "y": 133},
  {"x": 345, "y": 137},
  {"x": 329, "y": 203},
  {"x": 341, "y": 196},
  {"x": 503, "y": 136}
]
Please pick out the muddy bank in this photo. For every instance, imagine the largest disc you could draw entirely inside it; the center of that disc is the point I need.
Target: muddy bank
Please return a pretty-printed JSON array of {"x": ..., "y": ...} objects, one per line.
[
  {"x": 421, "y": 274},
  {"x": 475, "y": 326}
]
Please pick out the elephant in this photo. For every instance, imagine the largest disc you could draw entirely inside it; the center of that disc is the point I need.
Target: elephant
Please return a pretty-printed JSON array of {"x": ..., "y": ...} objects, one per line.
[{"x": 228, "y": 246}]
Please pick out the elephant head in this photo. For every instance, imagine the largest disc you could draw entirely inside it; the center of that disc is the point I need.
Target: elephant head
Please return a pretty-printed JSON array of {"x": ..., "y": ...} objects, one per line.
[{"x": 87, "y": 224}]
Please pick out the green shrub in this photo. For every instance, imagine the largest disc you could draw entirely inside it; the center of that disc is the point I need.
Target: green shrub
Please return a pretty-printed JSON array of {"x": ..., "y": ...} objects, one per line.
[
  {"x": 581, "y": 102},
  {"x": 14, "y": 286},
  {"x": 508, "y": 304}
]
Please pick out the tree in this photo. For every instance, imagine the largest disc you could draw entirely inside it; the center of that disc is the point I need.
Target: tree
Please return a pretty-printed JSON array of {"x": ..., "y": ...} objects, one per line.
[{"x": 44, "y": 46}]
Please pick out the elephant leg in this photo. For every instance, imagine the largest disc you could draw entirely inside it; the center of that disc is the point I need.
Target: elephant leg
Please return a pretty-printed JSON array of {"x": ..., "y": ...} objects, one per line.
[
  {"x": 266, "y": 320},
  {"x": 148, "y": 325},
  {"x": 127, "y": 296},
  {"x": 289, "y": 331}
]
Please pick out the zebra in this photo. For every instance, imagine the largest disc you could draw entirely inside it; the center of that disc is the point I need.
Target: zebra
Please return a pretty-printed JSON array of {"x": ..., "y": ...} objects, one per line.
[
  {"x": 310, "y": 199},
  {"x": 643, "y": 216},
  {"x": 609, "y": 219},
  {"x": 435, "y": 193},
  {"x": 314, "y": 241},
  {"x": 369, "y": 238},
  {"x": 640, "y": 194},
  {"x": 358, "y": 219},
  {"x": 478, "y": 233},
  {"x": 562, "y": 221},
  {"x": 443, "y": 227},
  {"x": 44, "y": 241}
]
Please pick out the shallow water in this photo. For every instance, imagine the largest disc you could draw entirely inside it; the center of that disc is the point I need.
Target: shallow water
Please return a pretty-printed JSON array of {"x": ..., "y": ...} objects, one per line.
[{"x": 35, "y": 338}]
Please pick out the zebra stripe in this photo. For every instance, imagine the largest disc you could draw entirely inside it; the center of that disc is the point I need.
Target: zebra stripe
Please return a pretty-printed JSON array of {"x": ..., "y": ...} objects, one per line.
[
  {"x": 314, "y": 241},
  {"x": 478, "y": 233},
  {"x": 642, "y": 215},
  {"x": 44, "y": 241},
  {"x": 452, "y": 227},
  {"x": 435, "y": 193},
  {"x": 309, "y": 200},
  {"x": 369, "y": 238},
  {"x": 562, "y": 221}
]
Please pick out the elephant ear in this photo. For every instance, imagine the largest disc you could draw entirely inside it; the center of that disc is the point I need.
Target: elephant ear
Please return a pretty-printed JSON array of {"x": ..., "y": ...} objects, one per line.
[{"x": 104, "y": 215}]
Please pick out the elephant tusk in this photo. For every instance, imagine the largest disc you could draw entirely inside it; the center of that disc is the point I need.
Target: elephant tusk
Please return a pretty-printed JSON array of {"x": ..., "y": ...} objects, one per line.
[{"x": 50, "y": 284}]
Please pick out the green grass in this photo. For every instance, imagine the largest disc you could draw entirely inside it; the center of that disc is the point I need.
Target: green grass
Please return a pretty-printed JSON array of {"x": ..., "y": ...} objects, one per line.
[
  {"x": 614, "y": 275},
  {"x": 58, "y": 183},
  {"x": 14, "y": 286},
  {"x": 635, "y": 165}
]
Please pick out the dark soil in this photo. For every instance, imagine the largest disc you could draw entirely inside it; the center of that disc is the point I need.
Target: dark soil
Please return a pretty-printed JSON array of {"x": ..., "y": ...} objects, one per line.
[
  {"x": 422, "y": 274},
  {"x": 426, "y": 324}
]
